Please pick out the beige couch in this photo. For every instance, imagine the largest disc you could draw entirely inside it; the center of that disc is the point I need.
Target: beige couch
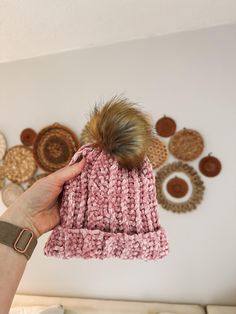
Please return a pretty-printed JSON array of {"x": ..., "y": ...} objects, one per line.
[{"x": 92, "y": 306}]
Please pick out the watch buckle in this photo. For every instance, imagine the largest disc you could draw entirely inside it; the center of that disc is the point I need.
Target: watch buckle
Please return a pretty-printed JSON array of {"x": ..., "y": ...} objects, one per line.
[{"x": 18, "y": 238}]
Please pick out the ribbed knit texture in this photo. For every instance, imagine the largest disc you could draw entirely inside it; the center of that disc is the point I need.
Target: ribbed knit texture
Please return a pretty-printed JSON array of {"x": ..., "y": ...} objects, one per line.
[{"x": 108, "y": 211}]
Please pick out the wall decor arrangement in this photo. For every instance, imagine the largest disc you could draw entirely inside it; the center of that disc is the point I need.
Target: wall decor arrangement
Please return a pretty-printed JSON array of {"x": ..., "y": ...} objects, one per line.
[
  {"x": 53, "y": 147},
  {"x": 185, "y": 145},
  {"x": 21, "y": 165}
]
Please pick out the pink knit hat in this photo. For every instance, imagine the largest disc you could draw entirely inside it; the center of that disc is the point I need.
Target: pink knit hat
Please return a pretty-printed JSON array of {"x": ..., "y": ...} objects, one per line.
[{"x": 108, "y": 211}]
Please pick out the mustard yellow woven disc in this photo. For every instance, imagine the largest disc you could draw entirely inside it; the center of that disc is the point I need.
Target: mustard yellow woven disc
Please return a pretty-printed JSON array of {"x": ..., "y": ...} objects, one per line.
[
  {"x": 157, "y": 152},
  {"x": 186, "y": 144},
  {"x": 2, "y": 177},
  {"x": 3, "y": 145},
  {"x": 10, "y": 193},
  {"x": 19, "y": 164}
]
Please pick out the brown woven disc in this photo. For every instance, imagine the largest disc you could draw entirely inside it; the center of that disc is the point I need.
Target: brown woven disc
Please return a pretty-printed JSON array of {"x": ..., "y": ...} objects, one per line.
[
  {"x": 196, "y": 182},
  {"x": 210, "y": 166},
  {"x": 54, "y": 147},
  {"x": 28, "y": 136},
  {"x": 10, "y": 193},
  {"x": 2, "y": 177},
  {"x": 157, "y": 153},
  {"x": 36, "y": 178},
  {"x": 3, "y": 145},
  {"x": 186, "y": 144},
  {"x": 166, "y": 126},
  {"x": 19, "y": 164},
  {"x": 177, "y": 187}
]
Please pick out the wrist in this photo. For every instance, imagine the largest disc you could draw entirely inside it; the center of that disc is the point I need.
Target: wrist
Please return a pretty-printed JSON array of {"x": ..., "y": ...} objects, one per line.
[{"x": 17, "y": 217}]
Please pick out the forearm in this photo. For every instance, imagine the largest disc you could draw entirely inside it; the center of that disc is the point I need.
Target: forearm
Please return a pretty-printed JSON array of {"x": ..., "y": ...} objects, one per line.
[
  {"x": 12, "y": 266},
  {"x": 12, "y": 263}
]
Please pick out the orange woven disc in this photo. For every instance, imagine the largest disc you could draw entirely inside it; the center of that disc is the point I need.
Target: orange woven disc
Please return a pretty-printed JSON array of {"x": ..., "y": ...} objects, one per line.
[
  {"x": 28, "y": 136},
  {"x": 177, "y": 187},
  {"x": 186, "y": 144},
  {"x": 210, "y": 166},
  {"x": 157, "y": 153},
  {"x": 165, "y": 126}
]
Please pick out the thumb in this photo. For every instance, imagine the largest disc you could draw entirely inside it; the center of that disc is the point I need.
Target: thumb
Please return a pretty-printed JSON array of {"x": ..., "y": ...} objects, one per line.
[{"x": 60, "y": 176}]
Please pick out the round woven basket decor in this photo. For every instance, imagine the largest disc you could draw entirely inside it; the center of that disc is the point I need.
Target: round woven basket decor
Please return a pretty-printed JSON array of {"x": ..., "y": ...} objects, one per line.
[
  {"x": 177, "y": 187},
  {"x": 28, "y": 136},
  {"x": 54, "y": 147},
  {"x": 196, "y": 182},
  {"x": 186, "y": 144},
  {"x": 157, "y": 153},
  {"x": 165, "y": 126},
  {"x": 3, "y": 145},
  {"x": 19, "y": 164},
  {"x": 10, "y": 193},
  {"x": 2, "y": 177},
  {"x": 210, "y": 166}
]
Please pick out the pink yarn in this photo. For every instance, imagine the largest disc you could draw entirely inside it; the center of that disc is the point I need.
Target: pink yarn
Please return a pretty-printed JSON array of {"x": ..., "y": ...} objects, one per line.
[{"x": 108, "y": 211}]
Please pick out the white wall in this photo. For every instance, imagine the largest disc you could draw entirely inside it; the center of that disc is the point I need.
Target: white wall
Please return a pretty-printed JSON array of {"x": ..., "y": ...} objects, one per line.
[{"x": 191, "y": 77}]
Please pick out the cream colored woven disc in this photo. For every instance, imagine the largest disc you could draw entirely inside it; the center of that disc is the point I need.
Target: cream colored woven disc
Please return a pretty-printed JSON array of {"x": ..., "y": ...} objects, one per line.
[
  {"x": 19, "y": 164},
  {"x": 2, "y": 177},
  {"x": 3, "y": 145},
  {"x": 10, "y": 193},
  {"x": 157, "y": 153}
]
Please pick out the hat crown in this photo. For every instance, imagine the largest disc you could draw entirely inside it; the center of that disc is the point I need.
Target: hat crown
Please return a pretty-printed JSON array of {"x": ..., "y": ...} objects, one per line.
[
  {"x": 108, "y": 197},
  {"x": 108, "y": 211}
]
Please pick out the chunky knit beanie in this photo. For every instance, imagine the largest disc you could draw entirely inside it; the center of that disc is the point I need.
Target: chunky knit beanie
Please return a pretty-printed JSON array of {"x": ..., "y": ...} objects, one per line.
[{"x": 110, "y": 208}]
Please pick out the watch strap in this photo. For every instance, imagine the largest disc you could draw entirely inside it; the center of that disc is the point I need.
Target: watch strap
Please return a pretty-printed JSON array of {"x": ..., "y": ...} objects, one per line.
[{"x": 20, "y": 239}]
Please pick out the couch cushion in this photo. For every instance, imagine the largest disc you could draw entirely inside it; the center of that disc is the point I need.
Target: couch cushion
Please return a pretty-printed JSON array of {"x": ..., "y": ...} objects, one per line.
[{"x": 218, "y": 309}]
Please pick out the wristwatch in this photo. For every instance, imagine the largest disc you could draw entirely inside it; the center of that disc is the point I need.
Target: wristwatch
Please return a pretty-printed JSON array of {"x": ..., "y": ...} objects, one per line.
[{"x": 22, "y": 240}]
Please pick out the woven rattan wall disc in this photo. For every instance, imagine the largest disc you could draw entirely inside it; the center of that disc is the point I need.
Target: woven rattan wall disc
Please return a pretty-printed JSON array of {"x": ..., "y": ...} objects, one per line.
[
  {"x": 10, "y": 193},
  {"x": 54, "y": 147},
  {"x": 197, "y": 187},
  {"x": 177, "y": 187},
  {"x": 2, "y": 177},
  {"x": 28, "y": 136},
  {"x": 157, "y": 153},
  {"x": 3, "y": 145},
  {"x": 19, "y": 164},
  {"x": 186, "y": 144},
  {"x": 165, "y": 126},
  {"x": 210, "y": 166}
]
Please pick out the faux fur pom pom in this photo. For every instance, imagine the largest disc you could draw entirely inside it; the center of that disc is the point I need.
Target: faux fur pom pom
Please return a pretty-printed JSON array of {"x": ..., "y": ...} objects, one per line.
[{"x": 120, "y": 128}]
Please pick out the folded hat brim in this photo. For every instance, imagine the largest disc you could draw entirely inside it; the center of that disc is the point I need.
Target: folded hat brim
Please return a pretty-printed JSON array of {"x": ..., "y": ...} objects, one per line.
[{"x": 85, "y": 243}]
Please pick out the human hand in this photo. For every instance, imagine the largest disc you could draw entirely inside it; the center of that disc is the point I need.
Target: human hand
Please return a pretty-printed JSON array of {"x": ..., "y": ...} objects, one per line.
[{"x": 37, "y": 208}]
